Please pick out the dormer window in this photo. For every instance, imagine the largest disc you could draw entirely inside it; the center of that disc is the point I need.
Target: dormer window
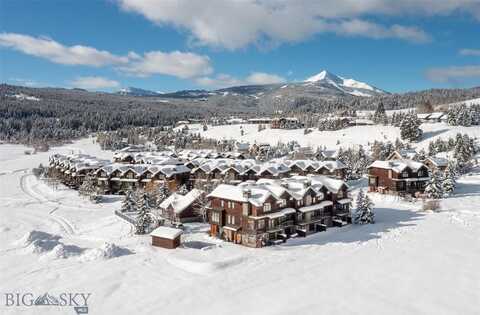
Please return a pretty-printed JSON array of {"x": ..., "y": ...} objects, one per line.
[
  {"x": 405, "y": 174},
  {"x": 421, "y": 173},
  {"x": 267, "y": 207}
]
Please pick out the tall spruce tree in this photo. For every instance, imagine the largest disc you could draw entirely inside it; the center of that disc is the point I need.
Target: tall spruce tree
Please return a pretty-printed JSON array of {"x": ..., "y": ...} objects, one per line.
[
  {"x": 145, "y": 217},
  {"x": 364, "y": 209},
  {"x": 434, "y": 188},
  {"x": 129, "y": 204},
  {"x": 449, "y": 182},
  {"x": 410, "y": 128}
]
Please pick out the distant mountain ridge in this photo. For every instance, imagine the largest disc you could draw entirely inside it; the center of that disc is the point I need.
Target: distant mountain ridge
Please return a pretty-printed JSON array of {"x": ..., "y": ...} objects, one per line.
[{"x": 324, "y": 84}]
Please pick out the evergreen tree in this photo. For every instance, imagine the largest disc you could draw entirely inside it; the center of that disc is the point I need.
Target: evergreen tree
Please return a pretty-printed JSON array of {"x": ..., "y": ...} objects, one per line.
[
  {"x": 129, "y": 204},
  {"x": 380, "y": 116},
  {"x": 182, "y": 190},
  {"x": 88, "y": 186},
  {"x": 449, "y": 182},
  {"x": 434, "y": 188},
  {"x": 364, "y": 212},
  {"x": 144, "y": 218},
  {"x": 410, "y": 128}
]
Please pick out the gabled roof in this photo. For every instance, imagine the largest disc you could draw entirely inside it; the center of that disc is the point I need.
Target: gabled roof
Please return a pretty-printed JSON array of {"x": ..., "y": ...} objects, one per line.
[
  {"x": 397, "y": 165},
  {"x": 179, "y": 202}
]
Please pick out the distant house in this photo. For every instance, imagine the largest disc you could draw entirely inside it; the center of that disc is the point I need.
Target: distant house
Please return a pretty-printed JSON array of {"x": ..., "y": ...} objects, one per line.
[
  {"x": 179, "y": 208},
  {"x": 285, "y": 123},
  {"x": 263, "y": 120},
  {"x": 166, "y": 237},
  {"x": 397, "y": 177},
  {"x": 242, "y": 147},
  {"x": 432, "y": 117},
  {"x": 436, "y": 163},
  {"x": 408, "y": 154}
]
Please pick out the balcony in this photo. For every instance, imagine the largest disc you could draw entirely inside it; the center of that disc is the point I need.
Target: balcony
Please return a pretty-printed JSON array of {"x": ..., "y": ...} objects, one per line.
[{"x": 312, "y": 219}]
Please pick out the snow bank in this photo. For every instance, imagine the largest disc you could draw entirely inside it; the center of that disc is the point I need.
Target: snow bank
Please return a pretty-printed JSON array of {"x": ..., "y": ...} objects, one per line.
[
  {"x": 106, "y": 251},
  {"x": 50, "y": 246}
]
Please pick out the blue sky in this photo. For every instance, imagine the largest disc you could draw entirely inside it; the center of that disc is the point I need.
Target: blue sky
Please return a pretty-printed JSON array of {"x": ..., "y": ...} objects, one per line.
[{"x": 169, "y": 45}]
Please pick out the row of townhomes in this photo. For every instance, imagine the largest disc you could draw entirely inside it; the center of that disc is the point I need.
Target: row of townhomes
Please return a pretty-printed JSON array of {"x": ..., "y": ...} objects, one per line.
[
  {"x": 270, "y": 211},
  {"x": 138, "y": 169}
]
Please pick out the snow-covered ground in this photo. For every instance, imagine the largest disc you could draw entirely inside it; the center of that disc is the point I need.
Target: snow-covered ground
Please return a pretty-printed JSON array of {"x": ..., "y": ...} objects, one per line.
[
  {"x": 357, "y": 135},
  {"x": 409, "y": 262}
]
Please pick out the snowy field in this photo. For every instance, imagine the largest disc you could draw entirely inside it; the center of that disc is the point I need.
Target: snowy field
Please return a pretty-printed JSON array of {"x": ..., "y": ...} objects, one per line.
[
  {"x": 357, "y": 135},
  {"x": 409, "y": 262}
]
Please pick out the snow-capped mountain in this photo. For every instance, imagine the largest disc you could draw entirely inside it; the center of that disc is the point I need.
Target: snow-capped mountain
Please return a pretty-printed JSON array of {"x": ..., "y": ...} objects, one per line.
[{"x": 349, "y": 86}]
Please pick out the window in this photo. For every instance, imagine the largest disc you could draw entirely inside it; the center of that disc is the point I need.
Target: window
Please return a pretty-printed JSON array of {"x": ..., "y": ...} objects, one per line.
[
  {"x": 340, "y": 194},
  {"x": 246, "y": 209},
  {"x": 282, "y": 203},
  {"x": 389, "y": 173},
  {"x": 222, "y": 203},
  {"x": 251, "y": 225},
  {"x": 271, "y": 224},
  {"x": 420, "y": 173},
  {"x": 261, "y": 224},
  {"x": 308, "y": 200},
  {"x": 300, "y": 202},
  {"x": 372, "y": 181},
  {"x": 215, "y": 217},
  {"x": 230, "y": 219},
  {"x": 231, "y": 205},
  {"x": 267, "y": 207},
  {"x": 404, "y": 174}
]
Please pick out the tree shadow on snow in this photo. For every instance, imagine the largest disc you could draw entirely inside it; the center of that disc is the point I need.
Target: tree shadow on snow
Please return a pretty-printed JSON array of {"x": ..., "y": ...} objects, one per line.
[{"x": 386, "y": 220}]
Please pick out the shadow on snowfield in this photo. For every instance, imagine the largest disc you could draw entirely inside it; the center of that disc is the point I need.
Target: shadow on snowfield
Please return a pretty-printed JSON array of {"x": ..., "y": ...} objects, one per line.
[{"x": 387, "y": 221}]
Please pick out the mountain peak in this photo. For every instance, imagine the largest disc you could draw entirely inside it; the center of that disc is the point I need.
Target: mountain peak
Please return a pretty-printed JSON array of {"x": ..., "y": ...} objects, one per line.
[
  {"x": 349, "y": 86},
  {"x": 323, "y": 75}
]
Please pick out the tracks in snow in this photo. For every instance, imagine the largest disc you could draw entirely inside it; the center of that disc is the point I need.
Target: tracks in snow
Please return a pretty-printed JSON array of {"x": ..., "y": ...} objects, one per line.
[{"x": 64, "y": 224}]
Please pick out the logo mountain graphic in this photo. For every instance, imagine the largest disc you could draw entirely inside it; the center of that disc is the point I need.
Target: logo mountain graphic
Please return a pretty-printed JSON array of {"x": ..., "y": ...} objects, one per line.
[{"x": 46, "y": 299}]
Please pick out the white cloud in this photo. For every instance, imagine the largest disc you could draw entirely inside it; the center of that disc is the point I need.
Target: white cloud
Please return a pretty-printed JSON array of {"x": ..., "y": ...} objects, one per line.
[
  {"x": 94, "y": 83},
  {"x": 176, "y": 63},
  {"x": 179, "y": 64},
  {"x": 226, "y": 80},
  {"x": 264, "y": 78},
  {"x": 58, "y": 53},
  {"x": 234, "y": 24},
  {"x": 452, "y": 74},
  {"x": 360, "y": 28},
  {"x": 470, "y": 52}
]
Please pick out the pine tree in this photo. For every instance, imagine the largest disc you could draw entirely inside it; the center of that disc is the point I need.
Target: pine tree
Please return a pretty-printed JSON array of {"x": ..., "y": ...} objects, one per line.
[
  {"x": 183, "y": 190},
  {"x": 144, "y": 218},
  {"x": 410, "y": 128},
  {"x": 364, "y": 212},
  {"x": 129, "y": 204},
  {"x": 434, "y": 188},
  {"x": 380, "y": 116},
  {"x": 88, "y": 187},
  {"x": 449, "y": 182}
]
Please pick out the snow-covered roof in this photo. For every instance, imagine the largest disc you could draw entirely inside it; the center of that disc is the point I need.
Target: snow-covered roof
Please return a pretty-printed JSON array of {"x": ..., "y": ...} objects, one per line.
[
  {"x": 252, "y": 194},
  {"x": 317, "y": 206},
  {"x": 166, "y": 232},
  {"x": 438, "y": 161},
  {"x": 180, "y": 202},
  {"x": 397, "y": 165}
]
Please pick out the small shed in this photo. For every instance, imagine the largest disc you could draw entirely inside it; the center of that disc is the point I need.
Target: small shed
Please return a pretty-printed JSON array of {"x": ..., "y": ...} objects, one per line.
[{"x": 166, "y": 237}]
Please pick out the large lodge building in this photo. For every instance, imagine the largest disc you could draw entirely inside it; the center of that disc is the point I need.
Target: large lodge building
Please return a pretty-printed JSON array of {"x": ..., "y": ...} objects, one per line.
[{"x": 269, "y": 211}]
